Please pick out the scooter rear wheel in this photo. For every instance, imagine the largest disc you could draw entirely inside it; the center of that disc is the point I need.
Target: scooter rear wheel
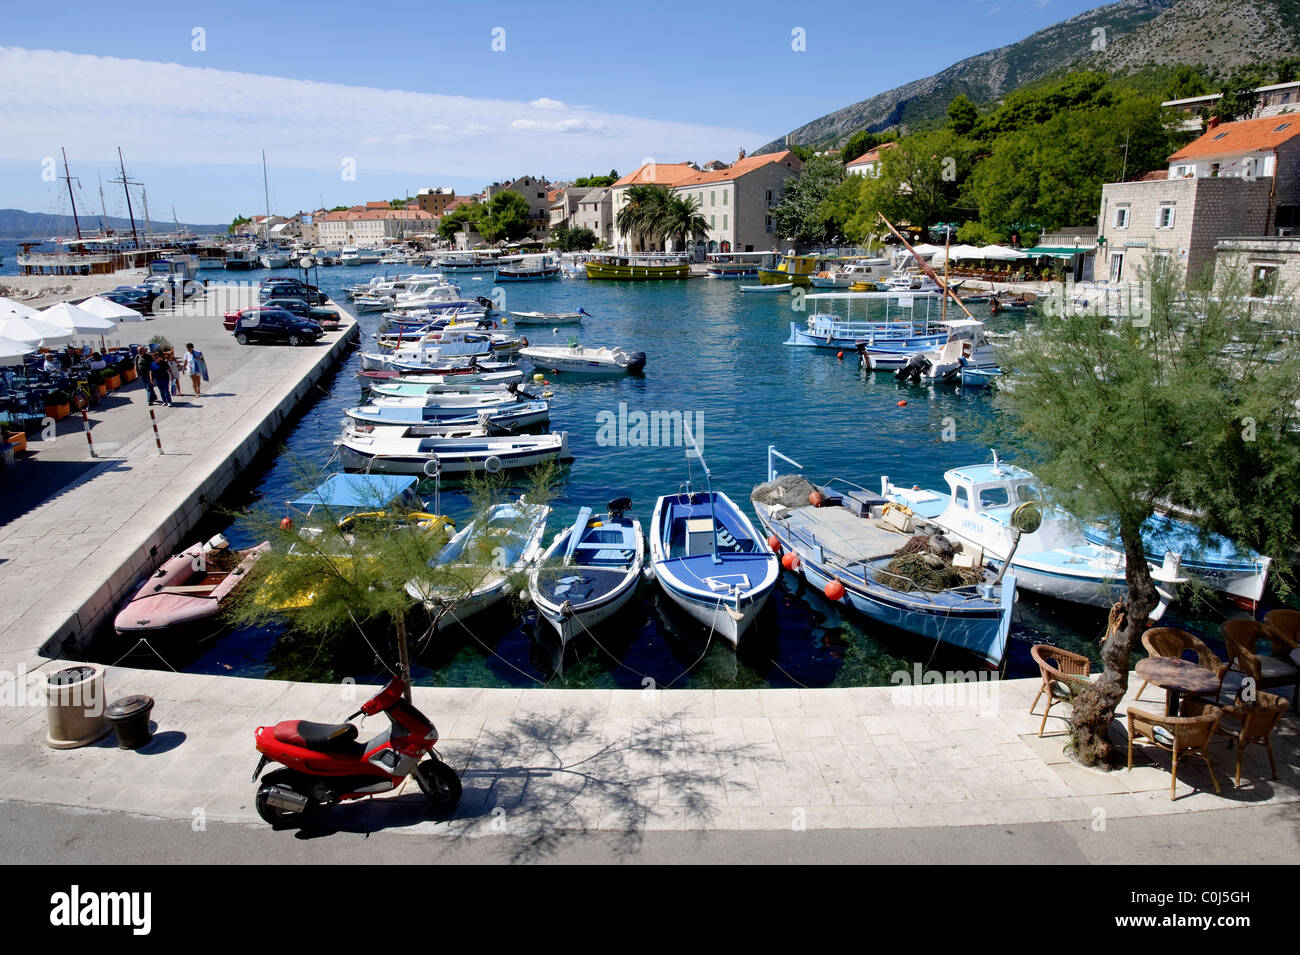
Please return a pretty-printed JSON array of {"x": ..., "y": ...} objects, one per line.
[
  {"x": 277, "y": 817},
  {"x": 439, "y": 783}
]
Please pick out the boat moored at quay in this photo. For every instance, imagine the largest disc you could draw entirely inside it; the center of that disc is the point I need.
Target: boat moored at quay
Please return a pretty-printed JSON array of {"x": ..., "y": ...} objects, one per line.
[{"x": 640, "y": 266}]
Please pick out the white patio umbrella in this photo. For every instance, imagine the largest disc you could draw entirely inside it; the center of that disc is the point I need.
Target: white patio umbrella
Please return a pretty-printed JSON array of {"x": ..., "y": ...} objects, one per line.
[
  {"x": 12, "y": 352},
  {"x": 104, "y": 308},
  {"x": 33, "y": 331},
  {"x": 1000, "y": 252},
  {"x": 77, "y": 320},
  {"x": 9, "y": 307}
]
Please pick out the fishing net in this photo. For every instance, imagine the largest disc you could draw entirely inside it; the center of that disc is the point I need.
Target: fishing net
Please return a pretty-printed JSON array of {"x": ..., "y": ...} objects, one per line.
[
  {"x": 789, "y": 490},
  {"x": 917, "y": 567}
]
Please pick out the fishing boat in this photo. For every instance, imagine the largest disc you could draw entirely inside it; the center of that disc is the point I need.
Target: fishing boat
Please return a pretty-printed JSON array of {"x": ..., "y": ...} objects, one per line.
[
  {"x": 386, "y": 453},
  {"x": 972, "y": 377},
  {"x": 734, "y": 265},
  {"x": 508, "y": 416},
  {"x": 1237, "y": 572},
  {"x": 858, "y": 549},
  {"x": 473, "y": 570},
  {"x": 709, "y": 560},
  {"x": 859, "y": 271},
  {"x": 640, "y": 266},
  {"x": 791, "y": 269},
  {"x": 590, "y": 571},
  {"x": 1055, "y": 560},
  {"x": 188, "y": 588},
  {"x": 241, "y": 258},
  {"x": 578, "y": 359},
  {"x": 549, "y": 318},
  {"x": 416, "y": 385}
]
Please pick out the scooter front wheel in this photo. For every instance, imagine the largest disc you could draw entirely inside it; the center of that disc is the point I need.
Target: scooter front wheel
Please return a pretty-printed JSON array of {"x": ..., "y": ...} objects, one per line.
[{"x": 439, "y": 783}]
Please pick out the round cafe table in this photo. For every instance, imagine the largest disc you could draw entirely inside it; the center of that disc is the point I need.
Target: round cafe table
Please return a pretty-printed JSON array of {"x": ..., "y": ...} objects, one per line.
[{"x": 1176, "y": 677}]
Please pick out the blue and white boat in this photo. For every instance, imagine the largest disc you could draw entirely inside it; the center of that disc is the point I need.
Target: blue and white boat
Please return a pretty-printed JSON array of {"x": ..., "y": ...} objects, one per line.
[
  {"x": 475, "y": 566},
  {"x": 1056, "y": 560},
  {"x": 1238, "y": 572},
  {"x": 900, "y": 323},
  {"x": 590, "y": 571},
  {"x": 509, "y": 415},
  {"x": 849, "y": 542},
  {"x": 709, "y": 559}
]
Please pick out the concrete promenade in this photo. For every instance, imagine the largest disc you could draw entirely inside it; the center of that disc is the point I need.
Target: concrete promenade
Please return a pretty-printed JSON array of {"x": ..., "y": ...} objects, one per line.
[
  {"x": 540, "y": 765},
  {"x": 67, "y": 564}
]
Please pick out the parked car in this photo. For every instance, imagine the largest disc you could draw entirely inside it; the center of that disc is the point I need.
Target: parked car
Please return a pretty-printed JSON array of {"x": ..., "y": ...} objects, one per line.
[
  {"x": 274, "y": 325},
  {"x": 290, "y": 288},
  {"x": 299, "y": 307},
  {"x": 230, "y": 318},
  {"x": 142, "y": 305}
]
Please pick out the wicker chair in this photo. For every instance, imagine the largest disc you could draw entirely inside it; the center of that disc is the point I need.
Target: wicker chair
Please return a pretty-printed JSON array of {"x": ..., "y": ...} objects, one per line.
[
  {"x": 1172, "y": 643},
  {"x": 1242, "y": 636},
  {"x": 1064, "y": 675},
  {"x": 1256, "y": 722},
  {"x": 1180, "y": 735},
  {"x": 1287, "y": 625}
]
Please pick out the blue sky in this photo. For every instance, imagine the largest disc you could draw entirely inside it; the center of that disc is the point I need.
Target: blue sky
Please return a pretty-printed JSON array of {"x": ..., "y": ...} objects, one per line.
[{"x": 351, "y": 104}]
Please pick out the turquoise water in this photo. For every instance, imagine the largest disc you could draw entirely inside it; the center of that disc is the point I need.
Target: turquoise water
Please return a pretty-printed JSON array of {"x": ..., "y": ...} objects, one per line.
[{"x": 715, "y": 355}]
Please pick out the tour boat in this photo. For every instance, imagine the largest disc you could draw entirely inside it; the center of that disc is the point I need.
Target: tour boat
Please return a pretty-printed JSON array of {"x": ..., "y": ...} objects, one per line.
[
  {"x": 239, "y": 258},
  {"x": 842, "y": 539},
  {"x": 640, "y": 266},
  {"x": 590, "y": 571},
  {"x": 188, "y": 588},
  {"x": 473, "y": 569},
  {"x": 385, "y": 453},
  {"x": 531, "y": 269},
  {"x": 832, "y": 323},
  {"x": 577, "y": 359},
  {"x": 1055, "y": 560}
]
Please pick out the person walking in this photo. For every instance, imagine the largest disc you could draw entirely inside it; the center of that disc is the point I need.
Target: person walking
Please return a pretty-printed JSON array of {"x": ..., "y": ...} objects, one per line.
[
  {"x": 144, "y": 371},
  {"x": 161, "y": 376},
  {"x": 174, "y": 372},
  {"x": 194, "y": 366}
]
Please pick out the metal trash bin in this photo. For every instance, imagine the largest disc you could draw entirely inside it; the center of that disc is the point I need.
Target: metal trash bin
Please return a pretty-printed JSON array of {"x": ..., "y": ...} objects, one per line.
[{"x": 129, "y": 717}]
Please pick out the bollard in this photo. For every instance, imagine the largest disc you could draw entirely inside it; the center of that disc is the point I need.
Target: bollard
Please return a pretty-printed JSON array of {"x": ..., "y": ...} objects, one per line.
[
  {"x": 156, "y": 436},
  {"x": 85, "y": 423}
]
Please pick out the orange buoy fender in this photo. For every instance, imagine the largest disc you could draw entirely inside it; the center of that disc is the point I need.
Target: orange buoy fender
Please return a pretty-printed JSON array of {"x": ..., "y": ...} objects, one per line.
[
  {"x": 774, "y": 543},
  {"x": 834, "y": 590}
]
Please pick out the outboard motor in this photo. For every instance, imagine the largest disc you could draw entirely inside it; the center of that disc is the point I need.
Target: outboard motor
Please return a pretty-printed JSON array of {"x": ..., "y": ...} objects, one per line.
[
  {"x": 485, "y": 302},
  {"x": 636, "y": 361},
  {"x": 618, "y": 506},
  {"x": 912, "y": 369}
]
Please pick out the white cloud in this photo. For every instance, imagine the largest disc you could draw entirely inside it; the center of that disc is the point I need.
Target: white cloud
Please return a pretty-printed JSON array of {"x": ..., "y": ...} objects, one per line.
[{"x": 167, "y": 113}]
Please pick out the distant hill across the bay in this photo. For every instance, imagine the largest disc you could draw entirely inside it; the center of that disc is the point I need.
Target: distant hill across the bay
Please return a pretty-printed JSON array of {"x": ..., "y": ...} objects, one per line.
[{"x": 19, "y": 226}]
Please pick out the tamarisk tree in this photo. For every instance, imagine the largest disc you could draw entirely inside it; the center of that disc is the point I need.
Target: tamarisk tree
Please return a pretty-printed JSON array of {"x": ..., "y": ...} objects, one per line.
[{"x": 1179, "y": 403}]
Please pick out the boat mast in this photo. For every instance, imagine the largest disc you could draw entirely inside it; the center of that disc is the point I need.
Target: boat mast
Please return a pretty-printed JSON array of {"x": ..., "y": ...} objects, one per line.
[
  {"x": 947, "y": 244},
  {"x": 266, "y": 191},
  {"x": 925, "y": 266},
  {"x": 124, "y": 181},
  {"x": 67, "y": 176},
  {"x": 144, "y": 198},
  {"x": 103, "y": 210}
]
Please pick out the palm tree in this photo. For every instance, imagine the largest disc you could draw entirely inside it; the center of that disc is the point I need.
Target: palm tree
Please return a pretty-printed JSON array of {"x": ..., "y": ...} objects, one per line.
[
  {"x": 643, "y": 212},
  {"x": 682, "y": 220}
]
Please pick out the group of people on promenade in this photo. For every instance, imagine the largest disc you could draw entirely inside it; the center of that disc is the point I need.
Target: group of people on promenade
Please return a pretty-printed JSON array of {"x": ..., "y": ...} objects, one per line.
[{"x": 161, "y": 371}]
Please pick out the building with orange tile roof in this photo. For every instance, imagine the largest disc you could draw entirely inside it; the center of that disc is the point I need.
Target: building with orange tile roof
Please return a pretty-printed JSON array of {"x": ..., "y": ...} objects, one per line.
[
  {"x": 868, "y": 164},
  {"x": 1236, "y": 180},
  {"x": 737, "y": 201},
  {"x": 372, "y": 225}
]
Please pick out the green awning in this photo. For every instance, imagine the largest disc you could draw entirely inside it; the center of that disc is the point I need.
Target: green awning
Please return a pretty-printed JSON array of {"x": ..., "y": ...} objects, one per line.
[{"x": 1057, "y": 251}]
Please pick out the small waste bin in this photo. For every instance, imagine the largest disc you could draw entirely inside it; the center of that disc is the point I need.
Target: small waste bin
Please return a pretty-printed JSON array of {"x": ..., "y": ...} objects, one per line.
[
  {"x": 129, "y": 717},
  {"x": 74, "y": 706}
]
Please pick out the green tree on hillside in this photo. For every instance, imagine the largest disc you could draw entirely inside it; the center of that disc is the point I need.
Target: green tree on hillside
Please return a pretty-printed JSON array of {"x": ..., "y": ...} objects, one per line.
[
  {"x": 238, "y": 221},
  {"x": 919, "y": 183},
  {"x": 962, "y": 115}
]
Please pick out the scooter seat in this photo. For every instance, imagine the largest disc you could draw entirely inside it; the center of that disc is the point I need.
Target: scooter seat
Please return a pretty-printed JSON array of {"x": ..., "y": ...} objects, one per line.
[{"x": 321, "y": 736}]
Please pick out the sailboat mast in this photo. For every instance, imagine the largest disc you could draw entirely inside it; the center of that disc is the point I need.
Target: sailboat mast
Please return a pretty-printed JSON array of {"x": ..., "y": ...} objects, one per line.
[
  {"x": 947, "y": 244},
  {"x": 122, "y": 162},
  {"x": 266, "y": 191},
  {"x": 67, "y": 176},
  {"x": 144, "y": 199},
  {"x": 103, "y": 210}
]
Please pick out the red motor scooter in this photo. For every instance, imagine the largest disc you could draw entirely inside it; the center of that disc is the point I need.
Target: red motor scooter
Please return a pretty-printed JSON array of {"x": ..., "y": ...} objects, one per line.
[{"x": 326, "y": 764}]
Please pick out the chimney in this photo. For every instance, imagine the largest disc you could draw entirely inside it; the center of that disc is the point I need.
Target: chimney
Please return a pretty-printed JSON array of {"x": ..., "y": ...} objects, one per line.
[
  {"x": 1212, "y": 123},
  {"x": 741, "y": 155}
]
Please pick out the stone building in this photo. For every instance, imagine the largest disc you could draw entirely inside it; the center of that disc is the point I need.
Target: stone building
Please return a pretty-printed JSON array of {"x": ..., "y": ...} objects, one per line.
[
  {"x": 1238, "y": 179},
  {"x": 648, "y": 174},
  {"x": 596, "y": 212},
  {"x": 737, "y": 201}
]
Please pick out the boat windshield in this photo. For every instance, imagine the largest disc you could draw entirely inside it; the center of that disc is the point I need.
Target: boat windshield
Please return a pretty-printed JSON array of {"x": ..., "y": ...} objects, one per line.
[{"x": 1028, "y": 492}]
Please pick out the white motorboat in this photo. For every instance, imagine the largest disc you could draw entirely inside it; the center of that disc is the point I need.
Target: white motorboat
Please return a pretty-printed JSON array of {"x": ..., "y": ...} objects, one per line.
[
  {"x": 473, "y": 570},
  {"x": 512, "y": 416},
  {"x": 482, "y": 382},
  {"x": 578, "y": 359},
  {"x": 967, "y": 346},
  {"x": 863, "y": 270},
  {"x": 1056, "y": 559},
  {"x": 770, "y": 289},
  {"x": 386, "y": 453},
  {"x": 549, "y": 318}
]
